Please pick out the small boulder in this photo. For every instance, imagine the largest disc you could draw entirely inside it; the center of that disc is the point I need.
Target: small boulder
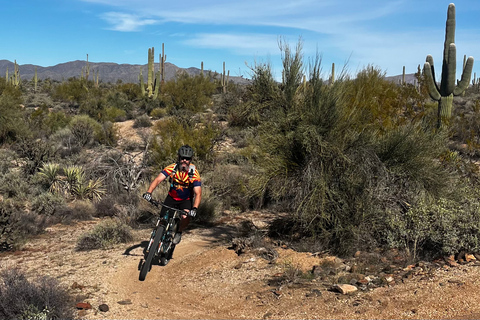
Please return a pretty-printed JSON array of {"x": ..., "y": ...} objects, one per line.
[
  {"x": 344, "y": 288},
  {"x": 83, "y": 306},
  {"x": 103, "y": 307}
]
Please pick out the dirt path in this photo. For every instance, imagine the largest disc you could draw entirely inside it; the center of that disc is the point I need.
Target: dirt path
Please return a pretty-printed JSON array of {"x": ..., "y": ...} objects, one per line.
[{"x": 206, "y": 280}]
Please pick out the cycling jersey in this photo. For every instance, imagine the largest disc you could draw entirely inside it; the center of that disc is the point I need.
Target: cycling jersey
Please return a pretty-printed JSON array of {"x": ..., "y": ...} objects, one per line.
[{"x": 181, "y": 182}]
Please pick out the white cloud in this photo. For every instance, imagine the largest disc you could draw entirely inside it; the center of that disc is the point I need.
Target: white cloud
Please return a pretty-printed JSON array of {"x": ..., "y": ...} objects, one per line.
[
  {"x": 328, "y": 16},
  {"x": 126, "y": 22},
  {"x": 239, "y": 43}
]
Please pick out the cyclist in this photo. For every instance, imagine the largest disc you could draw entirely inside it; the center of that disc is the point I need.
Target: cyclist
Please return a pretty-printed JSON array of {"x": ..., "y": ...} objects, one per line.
[{"x": 185, "y": 190}]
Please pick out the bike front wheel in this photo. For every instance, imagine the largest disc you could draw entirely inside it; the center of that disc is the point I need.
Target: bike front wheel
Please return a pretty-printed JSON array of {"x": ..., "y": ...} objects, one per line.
[{"x": 147, "y": 264}]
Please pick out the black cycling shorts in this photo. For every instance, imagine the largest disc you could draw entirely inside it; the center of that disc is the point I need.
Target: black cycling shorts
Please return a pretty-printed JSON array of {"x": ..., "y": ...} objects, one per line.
[{"x": 182, "y": 204}]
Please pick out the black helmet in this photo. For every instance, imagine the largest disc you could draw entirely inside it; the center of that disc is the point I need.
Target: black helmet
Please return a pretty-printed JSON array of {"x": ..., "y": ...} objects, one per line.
[{"x": 185, "y": 151}]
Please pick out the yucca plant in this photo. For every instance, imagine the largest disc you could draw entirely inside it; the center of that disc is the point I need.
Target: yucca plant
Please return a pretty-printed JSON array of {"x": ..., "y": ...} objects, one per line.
[
  {"x": 73, "y": 174},
  {"x": 49, "y": 173},
  {"x": 93, "y": 189}
]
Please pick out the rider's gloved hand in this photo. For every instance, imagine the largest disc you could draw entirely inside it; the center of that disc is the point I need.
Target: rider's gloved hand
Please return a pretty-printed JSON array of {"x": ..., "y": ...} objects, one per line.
[
  {"x": 147, "y": 196},
  {"x": 192, "y": 213}
]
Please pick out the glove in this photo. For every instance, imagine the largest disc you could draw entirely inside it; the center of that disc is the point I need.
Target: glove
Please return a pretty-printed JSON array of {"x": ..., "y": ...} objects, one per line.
[
  {"x": 147, "y": 196},
  {"x": 192, "y": 213}
]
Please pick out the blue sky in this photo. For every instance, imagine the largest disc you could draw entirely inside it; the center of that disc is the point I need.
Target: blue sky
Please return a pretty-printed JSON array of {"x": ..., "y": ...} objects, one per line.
[{"x": 383, "y": 33}]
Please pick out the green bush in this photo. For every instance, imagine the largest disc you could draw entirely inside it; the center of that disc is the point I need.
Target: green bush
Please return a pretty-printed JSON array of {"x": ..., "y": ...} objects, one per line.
[
  {"x": 188, "y": 93},
  {"x": 12, "y": 125},
  {"x": 79, "y": 210},
  {"x": 142, "y": 121},
  {"x": 84, "y": 129},
  {"x": 174, "y": 133},
  {"x": 115, "y": 114},
  {"x": 437, "y": 227},
  {"x": 108, "y": 134},
  {"x": 46, "y": 203},
  {"x": 43, "y": 298},
  {"x": 73, "y": 91},
  {"x": 158, "y": 113},
  {"x": 105, "y": 234},
  {"x": 340, "y": 156}
]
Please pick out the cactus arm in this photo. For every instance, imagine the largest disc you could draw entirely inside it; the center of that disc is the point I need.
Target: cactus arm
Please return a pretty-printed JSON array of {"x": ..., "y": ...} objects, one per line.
[
  {"x": 451, "y": 66},
  {"x": 466, "y": 75},
  {"x": 431, "y": 84},
  {"x": 432, "y": 70}
]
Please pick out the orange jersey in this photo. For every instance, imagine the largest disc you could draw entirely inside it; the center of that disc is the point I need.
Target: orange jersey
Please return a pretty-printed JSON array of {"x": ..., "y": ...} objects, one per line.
[{"x": 182, "y": 183}]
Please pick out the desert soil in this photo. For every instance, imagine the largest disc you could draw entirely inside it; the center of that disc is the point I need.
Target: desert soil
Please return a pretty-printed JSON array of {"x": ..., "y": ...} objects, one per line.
[{"x": 207, "y": 280}]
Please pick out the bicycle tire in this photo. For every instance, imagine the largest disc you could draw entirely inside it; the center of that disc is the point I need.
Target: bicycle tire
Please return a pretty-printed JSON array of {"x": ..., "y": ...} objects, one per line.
[{"x": 151, "y": 254}]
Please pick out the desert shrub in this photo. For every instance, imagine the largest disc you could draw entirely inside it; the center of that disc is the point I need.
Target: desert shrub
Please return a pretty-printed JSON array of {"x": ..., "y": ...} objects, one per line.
[
  {"x": 72, "y": 91},
  {"x": 147, "y": 104},
  {"x": 46, "y": 203},
  {"x": 158, "y": 113},
  {"x": 106, "y": 207},
  {"x": 8, "y": 159},
  {"x": 115, "y": 114},
  {"x": 188, "y": 93},
  {"x": 75, "y": 211},
  {"x": 174, "y": 133},
  {"x": 437, "y": 227},
  {"x": 108, "y": 134},
  {"x": 132, "y": 91},
  {"x": 105, "y": 234},
  {"x": 84, "y": 129},
  {"x": 230, "y": 184},
  {"x": 13, "y": 184},
  {"x": 465, "y": 125},
  {"x": 7, "y": 230},
  {"x": 12, "y": 125},
  {"x": 337, "y": 168},
  {"x": 35, "y": 152},
  {"x": 65, "y": 143},
  {"x": 43, "y": 298},
  {"x": 17, "y": 225},
  {"x": 142, "y": 121},
  {"x": 56, "y": 120},
  {"x": 119, "y": 100},
  {"x": 260, "y": 97},
  {"x": 209, "y": 206}
]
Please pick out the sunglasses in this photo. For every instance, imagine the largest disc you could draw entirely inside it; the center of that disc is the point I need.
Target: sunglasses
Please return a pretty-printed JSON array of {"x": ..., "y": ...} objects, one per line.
[{"x": 185, "y": 158}]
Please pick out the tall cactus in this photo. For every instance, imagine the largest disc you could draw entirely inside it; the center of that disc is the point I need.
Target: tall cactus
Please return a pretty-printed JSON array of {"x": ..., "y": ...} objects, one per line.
[
  {"x": 35, "y": 81},
  {"x": 153, "y": 78},
  {"x": 447, "y": 89},
  {"x": 150, "y": 71}
]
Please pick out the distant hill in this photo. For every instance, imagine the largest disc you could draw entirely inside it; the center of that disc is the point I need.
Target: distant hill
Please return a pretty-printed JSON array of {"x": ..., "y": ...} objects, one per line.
[
  {"x": 107, "y": 72},
  {"x": 409, "y": 78}
]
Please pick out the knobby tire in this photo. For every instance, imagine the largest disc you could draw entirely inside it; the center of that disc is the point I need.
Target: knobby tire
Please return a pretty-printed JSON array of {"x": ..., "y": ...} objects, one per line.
[{"x": 153, "y": 249}]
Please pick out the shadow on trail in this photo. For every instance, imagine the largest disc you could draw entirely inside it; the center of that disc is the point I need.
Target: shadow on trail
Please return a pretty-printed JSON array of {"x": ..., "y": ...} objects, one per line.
[{"x": 142, "y": 244}]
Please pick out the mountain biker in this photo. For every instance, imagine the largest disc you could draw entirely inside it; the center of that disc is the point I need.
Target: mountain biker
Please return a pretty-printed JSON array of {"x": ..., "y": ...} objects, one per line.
[{"x": 185, "y": 190}]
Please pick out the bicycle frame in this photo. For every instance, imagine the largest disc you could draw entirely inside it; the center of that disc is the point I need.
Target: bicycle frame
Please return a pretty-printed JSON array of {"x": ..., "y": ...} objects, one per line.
[
  {"x": 161, "y": 237},
  {"x": 169, "y": 222}
]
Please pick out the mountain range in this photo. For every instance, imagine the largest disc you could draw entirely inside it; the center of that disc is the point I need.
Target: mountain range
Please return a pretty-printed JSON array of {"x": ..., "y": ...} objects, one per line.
[
  {"x": 127, "y": 73},
  {"x": 107, "y": 71}
]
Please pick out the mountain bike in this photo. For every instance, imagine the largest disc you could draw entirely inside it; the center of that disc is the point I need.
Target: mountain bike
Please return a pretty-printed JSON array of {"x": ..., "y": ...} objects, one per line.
[{"x": 161, "y": 238}]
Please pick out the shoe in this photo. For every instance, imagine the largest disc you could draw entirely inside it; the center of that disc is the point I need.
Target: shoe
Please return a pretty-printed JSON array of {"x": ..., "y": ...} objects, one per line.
[
  {"x": 164, "y": 261},
  {"x": 177, "y": 238}
]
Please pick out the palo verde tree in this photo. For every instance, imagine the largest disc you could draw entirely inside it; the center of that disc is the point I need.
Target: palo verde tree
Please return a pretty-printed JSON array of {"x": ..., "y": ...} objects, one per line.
[{"x": 447, "y": 89}]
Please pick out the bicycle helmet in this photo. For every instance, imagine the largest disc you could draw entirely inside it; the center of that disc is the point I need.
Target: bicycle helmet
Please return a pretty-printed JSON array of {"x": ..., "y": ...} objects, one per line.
[{"x": 185, "y": 151}]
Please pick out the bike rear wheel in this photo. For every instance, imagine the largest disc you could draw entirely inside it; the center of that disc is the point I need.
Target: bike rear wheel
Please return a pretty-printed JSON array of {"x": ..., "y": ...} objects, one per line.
[{"x": 151, "y": 254}]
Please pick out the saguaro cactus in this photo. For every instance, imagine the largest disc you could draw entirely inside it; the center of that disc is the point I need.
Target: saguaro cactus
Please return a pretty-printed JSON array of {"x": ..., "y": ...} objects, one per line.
[
  {"x": 447, "y": 89},
  {"x": 153, "y": 78}
]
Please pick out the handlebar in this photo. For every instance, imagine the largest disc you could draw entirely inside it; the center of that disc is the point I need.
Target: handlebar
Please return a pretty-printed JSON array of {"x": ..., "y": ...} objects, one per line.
[{"x": 160, "y": 203}]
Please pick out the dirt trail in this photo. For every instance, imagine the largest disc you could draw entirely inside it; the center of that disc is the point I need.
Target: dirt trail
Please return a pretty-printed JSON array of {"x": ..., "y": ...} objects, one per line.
[{"x": 206, "y": 280}]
